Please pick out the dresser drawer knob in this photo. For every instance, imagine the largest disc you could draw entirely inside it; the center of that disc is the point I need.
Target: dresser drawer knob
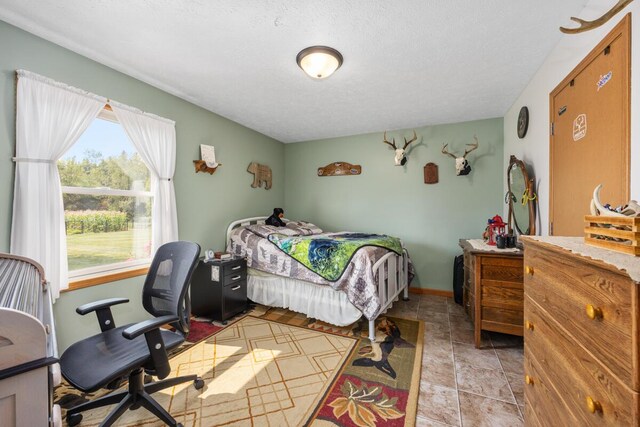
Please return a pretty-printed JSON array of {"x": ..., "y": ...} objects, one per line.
[
  {"x": 593, "y": 405},
  {"x": 528, "y": 380},
  {"x": 528, "y": 325},
  {"x": 594, "y": 312},
  {"x": 529, "y": 270}
]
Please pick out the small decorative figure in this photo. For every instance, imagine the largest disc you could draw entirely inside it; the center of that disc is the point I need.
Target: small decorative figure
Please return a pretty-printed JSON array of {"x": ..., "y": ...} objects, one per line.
[
  {"x": 495, "y": 227},
  {"x": 276, "y": 218},
  {"x": 261, "y": 173}
]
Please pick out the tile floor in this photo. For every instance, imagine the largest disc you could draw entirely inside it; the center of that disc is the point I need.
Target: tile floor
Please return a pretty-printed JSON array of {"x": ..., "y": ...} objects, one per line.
[{"x": 462, "y": 385}]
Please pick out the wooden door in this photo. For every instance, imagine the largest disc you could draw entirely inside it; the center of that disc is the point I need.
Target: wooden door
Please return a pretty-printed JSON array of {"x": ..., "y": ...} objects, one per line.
[{"x": 590, "y": 133}]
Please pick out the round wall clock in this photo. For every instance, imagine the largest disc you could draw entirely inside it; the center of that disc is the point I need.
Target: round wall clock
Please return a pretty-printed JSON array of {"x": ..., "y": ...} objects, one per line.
[{"x": 523, "y": 122}]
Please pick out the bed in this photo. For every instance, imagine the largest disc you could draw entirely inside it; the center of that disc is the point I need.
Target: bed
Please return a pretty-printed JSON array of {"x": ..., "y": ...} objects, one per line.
[{"x": 372, "y": 280}]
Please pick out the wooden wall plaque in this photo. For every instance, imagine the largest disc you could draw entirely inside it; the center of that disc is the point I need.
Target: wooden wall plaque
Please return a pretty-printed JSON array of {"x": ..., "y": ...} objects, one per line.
[
  {"x": 339, "y": 169},
  {"x": 430, "y": 173}
]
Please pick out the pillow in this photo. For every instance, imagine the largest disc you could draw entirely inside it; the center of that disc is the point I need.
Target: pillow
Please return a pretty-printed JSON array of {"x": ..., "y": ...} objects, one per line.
[
  {"x": 304, "y": 228},
  {"x": 293, "y": 228}
]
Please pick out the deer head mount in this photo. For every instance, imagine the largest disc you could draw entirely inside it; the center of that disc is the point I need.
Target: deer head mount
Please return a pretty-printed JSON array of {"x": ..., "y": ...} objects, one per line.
[
  {"x": 462, "y": 165},
  {"x": 590, "y": 25},
  {"x": 400, "y": 157}
]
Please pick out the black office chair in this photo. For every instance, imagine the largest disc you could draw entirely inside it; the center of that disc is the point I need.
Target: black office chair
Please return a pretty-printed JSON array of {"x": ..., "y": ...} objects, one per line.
[{"x": 96, "y": 361}]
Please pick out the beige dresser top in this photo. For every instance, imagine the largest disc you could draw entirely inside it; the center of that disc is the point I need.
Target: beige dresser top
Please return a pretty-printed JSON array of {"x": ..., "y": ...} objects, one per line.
[{"x": 627, "y": 263}]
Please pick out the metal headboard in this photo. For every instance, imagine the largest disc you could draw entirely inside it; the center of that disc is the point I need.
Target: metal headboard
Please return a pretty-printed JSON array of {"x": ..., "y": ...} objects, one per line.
[{"x": 244, "y": 222}]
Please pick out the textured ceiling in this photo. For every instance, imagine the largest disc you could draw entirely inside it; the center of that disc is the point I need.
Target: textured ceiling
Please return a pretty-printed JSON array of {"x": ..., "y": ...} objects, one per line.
[{"x": 406, "y": 63}]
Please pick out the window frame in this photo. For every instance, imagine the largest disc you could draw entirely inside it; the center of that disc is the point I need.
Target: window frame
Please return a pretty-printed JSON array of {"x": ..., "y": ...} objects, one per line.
[{"x": 106, "y": 273}]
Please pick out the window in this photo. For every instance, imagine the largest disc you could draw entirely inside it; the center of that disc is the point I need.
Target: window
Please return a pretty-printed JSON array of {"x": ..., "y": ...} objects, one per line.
[{"x": 107, "y": 201}]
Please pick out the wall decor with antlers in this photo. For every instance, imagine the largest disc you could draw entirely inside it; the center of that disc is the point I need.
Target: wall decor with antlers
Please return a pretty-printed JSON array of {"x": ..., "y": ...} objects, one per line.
[
  {"x": 400, "y": 157},
  {"x": 462, "y": 165},
  {"x": 590, "y": 25}
]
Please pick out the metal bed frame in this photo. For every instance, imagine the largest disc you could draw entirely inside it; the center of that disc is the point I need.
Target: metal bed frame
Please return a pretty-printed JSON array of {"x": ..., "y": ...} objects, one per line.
[{"x": 391, "y": 273}]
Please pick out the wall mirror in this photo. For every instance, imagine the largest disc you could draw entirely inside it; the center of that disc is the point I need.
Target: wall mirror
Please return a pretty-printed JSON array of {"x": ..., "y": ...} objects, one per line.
[{"x": 521, "y": 198}]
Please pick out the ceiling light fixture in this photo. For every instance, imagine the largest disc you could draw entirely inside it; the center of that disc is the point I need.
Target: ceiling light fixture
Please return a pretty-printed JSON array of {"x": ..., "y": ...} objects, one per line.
[{"x": 319, "y": 62}]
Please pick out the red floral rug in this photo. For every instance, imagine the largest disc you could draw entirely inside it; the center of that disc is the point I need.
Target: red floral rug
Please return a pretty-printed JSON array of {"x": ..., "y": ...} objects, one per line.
[
  {"x": 380, "y": 382},
  {"x": 200, "y": 330}
]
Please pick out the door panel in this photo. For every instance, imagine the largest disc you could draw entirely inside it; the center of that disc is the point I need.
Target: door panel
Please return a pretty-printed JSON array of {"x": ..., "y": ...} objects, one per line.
[{"x": 590, "y": 138}]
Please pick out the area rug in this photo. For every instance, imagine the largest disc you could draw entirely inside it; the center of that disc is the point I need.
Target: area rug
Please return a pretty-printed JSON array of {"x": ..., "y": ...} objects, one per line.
[
  {"x": 264, "y": 372},
  {"x": 199, "y": 330},
  {"x": 362, "y": 396}
]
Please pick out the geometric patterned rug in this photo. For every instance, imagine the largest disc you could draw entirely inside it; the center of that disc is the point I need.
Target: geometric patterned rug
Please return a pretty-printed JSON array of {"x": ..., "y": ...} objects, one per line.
[{"x": 278, "y": 368}]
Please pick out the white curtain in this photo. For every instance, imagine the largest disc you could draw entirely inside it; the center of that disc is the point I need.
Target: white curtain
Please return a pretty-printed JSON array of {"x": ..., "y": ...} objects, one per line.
[
  {"x": 155, "y": 141},
  {"x": 50, "y": 117}
]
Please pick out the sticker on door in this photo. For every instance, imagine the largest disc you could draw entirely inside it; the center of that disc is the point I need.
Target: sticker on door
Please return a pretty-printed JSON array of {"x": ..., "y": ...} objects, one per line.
[
  {"x": 604, "y": 80},
  {"x": 580, "y": 127}
]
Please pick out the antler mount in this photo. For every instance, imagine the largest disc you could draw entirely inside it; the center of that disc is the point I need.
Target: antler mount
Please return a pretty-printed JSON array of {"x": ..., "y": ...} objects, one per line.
[{"x": 590, "y": 25}]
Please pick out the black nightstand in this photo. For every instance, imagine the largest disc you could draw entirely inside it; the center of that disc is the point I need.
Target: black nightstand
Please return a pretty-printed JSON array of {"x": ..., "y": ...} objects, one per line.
[{"x": 219, "y": 288}]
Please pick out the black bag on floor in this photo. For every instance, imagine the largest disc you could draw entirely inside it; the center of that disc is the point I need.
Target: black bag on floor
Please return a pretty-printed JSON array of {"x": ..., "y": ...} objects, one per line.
[{"x": 458, "y": 278}]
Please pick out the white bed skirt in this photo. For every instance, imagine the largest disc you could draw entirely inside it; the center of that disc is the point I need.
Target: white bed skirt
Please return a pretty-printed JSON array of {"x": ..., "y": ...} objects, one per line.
[{"x": 302, "y": 297}]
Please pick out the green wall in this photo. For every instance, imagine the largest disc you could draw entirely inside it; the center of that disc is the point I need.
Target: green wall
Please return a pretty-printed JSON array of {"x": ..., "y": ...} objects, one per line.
[
  {"x": 206, "y": 204},
  {"x": 394, "y": 199},
  {"x": 384, "y": 199}
]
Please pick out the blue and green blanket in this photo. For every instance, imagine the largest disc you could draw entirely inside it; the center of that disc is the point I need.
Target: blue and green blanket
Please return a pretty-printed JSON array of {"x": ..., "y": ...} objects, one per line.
[{"x": 329, "y": 254}]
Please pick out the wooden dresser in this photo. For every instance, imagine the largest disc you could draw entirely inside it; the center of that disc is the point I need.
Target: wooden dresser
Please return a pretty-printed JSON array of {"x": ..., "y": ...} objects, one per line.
[
  {"x": 493, "y": 290},
  {"x": 581, "y": 352}
]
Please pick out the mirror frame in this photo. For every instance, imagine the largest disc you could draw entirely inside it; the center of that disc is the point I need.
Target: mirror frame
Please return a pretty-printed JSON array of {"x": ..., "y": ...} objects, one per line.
[{"x": 515, "y": 162}]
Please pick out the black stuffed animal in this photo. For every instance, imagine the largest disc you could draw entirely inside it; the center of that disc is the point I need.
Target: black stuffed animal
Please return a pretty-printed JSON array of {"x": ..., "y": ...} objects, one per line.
[{"x": 275, "y": 218}]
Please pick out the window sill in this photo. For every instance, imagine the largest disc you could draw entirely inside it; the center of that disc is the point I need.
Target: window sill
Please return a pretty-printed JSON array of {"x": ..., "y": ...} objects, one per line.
[{"x": 86, "y": 282}]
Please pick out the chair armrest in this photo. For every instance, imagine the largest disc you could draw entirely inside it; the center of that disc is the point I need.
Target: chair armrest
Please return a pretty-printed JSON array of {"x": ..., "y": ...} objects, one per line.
[
  {"x": 145, "y": 326},
  {"x": 159, "y": 363},
  {"x": 97, "y": 305},
  {"x": 103, "y": 311}
]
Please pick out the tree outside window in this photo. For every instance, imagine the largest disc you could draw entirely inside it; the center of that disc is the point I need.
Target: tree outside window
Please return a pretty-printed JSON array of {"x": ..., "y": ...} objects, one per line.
[{"x": 107, "y": 200}]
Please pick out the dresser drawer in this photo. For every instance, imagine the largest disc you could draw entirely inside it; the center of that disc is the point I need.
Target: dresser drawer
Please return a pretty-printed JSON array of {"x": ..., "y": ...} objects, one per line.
[
  {"x": 565, "y": 288},
  {"x": 234, "y": 277},
  {"x": 507, "y": 295},
  {"x": 234, "y": 267},
  {"x": 543, "y": 405},
  {"x": 503, "y": 316},
  {"x": 577, "y": 375},
  {"x": 501, "y": 269},
  {"x": 234, "y": 299}
]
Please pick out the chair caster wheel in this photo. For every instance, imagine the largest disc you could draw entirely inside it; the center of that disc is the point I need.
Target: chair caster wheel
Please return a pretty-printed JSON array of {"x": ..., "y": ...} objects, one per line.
[
  {"x": 179, "y": 425},
  {"x": 198, "y": 383},
  {"x": 74, "y": 419}
]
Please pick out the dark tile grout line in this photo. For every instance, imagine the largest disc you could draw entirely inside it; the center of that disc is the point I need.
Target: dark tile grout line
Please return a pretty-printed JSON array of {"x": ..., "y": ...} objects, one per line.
[{"x": 508, "y": 383}]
